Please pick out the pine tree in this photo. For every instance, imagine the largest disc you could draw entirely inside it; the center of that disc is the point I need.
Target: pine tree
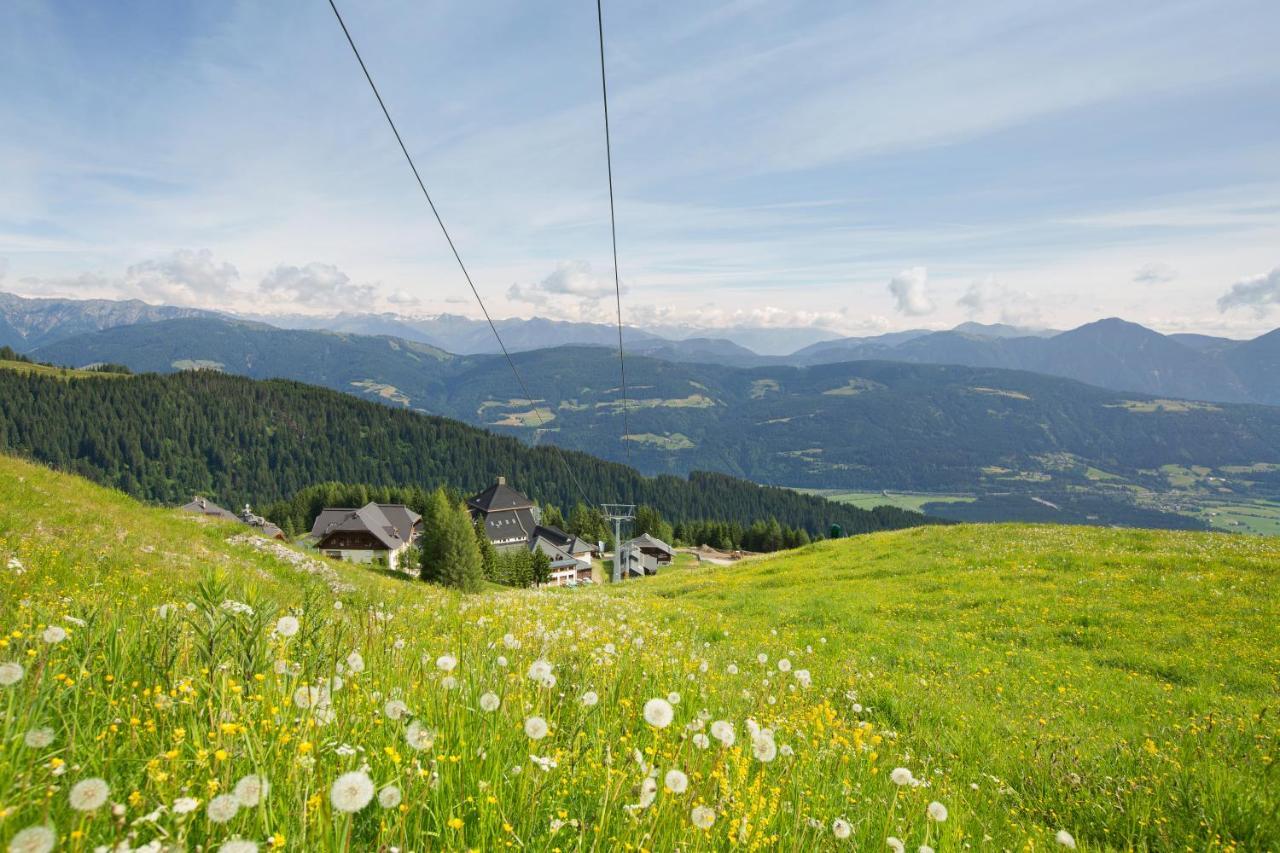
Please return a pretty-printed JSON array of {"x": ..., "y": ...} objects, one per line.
[
  {"x": 540, "y": 567},
  {"x": 434, "y": 536},
  {"x": 461, "y": 565},
  {"x": 488, "y": 554}
]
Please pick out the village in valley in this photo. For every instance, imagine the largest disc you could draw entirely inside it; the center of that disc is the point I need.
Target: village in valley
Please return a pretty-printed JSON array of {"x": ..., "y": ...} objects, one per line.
[{"x": 512, "y": 524}]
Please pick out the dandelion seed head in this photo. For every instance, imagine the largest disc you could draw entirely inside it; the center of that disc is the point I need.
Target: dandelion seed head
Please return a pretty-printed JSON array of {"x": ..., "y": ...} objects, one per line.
[
  {"x": 1065, "y": 839},
  {"x": 676, "y": 781},
  {"x": 287, "y": 626},
  {"x": 936, "y": 811},
  {"x": 251, "y": 790},
  {"x": 38, "y": 738},
  {"x": 89, "y": 795},
  {"x": 395, "y": 709},
  {"x": 489, "y": 702},
  {"x": 351, "y": 791},
  {"x": 702, "y": 817},
  {"x": 10, "y": 673},
  {"x": 446, "y": 663},
  {"x": 222, "y": 808},
  {"x": 535, "y": 728},
  {"x": 658, "y": 713},
  {"x": 185, "y": 805},
  {"x": 840, "y": 828},
  {"x": 389, "y": 797},
  {"x": 33, "y": 839},
  {"x": 589, "y": 699}
]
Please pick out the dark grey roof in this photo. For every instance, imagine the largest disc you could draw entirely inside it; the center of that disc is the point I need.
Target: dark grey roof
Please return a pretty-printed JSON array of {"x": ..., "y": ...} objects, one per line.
[
  {"x": 509, "y": 525},
  {"x": 369, "y": 518},
  {"x": 647, "y": 541},
  {"x": 566, "y": 542},
  {"x": 203, "y": 506},
  {"x": 560, "y": 559},
  {"x": 499, "y": 497},
  {"x": 403, "y": 518}
]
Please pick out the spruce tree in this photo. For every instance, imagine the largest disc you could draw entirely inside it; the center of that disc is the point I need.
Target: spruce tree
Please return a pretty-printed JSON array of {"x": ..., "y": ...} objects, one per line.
[
  {"x": 540, "y": 567},
  {"x": 488, "y": 554},
  {"x": 434, "y": 535},
  {"x": 461, "y": 565}
]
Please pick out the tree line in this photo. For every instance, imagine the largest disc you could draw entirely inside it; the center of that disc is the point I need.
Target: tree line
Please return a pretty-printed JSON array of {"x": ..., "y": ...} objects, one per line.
[{"x": 163, "y": 438}]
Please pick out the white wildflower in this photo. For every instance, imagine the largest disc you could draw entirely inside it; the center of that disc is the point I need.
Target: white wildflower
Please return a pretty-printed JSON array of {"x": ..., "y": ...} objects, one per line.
[
  {"x": 489, "y": 702},
  {"x": 446, "y": 663},
  {"x": 722, "y": 730},
  {"x": 901, "y": 776},
  {"x": 589, "y": 699},
  {"x": 287, "y": 626},
  {"x": 937, "y": 811},
  {"x": 355, "y": 663},
  {"x": 701, "y": 741},
  {"x": 784, "y": 665},
  {"x": 54, "y": 634},
  {"x": 840, "y": 828},
  {"x": 185, "y": 805},
  {"x": 676, "y": 781},
  {"x": 395, "y": 709},
  {"x": 389, "y": 797}
]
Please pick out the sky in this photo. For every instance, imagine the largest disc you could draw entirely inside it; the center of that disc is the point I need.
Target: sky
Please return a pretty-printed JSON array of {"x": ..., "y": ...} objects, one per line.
[{"x": 858, "y": 166}]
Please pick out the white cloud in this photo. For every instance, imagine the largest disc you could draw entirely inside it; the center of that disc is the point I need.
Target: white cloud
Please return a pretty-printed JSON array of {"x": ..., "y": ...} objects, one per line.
[
  {"x": 1259, "y": 292},
  {"x": 712, "y": 316},
  {"x": 910, "y": 292},
  {"x": 185, "y": 277},
  {"x": 989, "y": 299},
  {"x": 572, "y": 291},
  {"x": 1154, "y": 273},
  {"x": 317, "y": 286}
]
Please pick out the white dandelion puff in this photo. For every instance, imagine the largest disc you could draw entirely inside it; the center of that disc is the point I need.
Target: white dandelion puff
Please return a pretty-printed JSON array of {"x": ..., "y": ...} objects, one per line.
[
  {"x": 589, "y": 699},
  {"x": 901, "y": 776},
  {"x": 395, "y": 709},
  {"x": 389, "y": 797},
  {"x": 673, "y": 697},
  {"x": 38, "y": 738},
  {"x": 784, "y": 665},
  {"x": 251, "y": 790},
  {"x": 1065, "y": 839},
  {"x": 351, "y": 791},
  {"x": 722, "y": 730},
  {"x": 446, "y": 663},
  {"x": 54, "y": 634},
  {"x": 33, "y": 839},
  {"x": 658, "y": 713},
  {"x": 895, "y": 844},
  {"x": 702, "y": 817},
  {"x": 10, "y": 673},
  {"x": 419, "y": 737},
  {"x": 764, "y": 748},
  {"x": 222, "y": 808},
  {"x": 489, "y": 702},
  {"x": 355, "y": 663},
  {"x": 840, "y": 828},
  {"x": 701, "y": 741},
  {"x": 287, "y": 626},
  {"x": 185, "y": 805},
  {"x": 89, "y": 794},
  {"x": 535, "y": 728},
  {"x": 937, "y": 811},
  {"x": 237, "y": 845},
  {"x": 676, "y": 781}
]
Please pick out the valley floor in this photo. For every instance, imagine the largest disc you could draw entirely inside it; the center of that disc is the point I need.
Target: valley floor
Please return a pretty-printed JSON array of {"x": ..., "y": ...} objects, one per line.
[{"x": 1116, "y": 685}]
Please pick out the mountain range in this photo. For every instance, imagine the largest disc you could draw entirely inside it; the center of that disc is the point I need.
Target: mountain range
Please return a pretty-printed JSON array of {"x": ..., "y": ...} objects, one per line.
[
  {"x": 863, "y": 424},
  {"x": 1111, "y": 353}
]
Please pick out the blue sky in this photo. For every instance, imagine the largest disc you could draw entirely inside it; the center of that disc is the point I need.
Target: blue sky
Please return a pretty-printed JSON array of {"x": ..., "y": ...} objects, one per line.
[{"x": 863, "y": 166}]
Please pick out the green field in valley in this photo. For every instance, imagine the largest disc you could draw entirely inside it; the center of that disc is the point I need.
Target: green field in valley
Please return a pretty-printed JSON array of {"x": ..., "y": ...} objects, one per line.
[
  {"x": 1116, "y": 685},
  {"x": 902, "y": 500}
]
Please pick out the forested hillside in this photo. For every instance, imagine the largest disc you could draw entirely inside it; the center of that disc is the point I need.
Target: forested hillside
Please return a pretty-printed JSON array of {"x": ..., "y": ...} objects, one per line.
[{"x": 163, "y": 438}]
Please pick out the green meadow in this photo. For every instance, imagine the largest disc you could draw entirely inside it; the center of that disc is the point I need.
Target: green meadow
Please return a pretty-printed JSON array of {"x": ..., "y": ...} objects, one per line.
[{"x": 174, "y": 683}]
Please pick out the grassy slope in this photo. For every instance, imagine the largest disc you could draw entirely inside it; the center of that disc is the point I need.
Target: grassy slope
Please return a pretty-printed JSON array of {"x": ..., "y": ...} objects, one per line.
[{"x": 1109, "y": 682}]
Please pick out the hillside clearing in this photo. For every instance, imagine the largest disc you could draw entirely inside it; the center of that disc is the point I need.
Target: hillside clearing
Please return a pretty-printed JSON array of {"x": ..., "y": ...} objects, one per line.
[{"x": 1117, "y": 684}]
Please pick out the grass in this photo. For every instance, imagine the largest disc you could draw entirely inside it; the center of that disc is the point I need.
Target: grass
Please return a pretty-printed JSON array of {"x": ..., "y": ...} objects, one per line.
[
  {"x": 58, "y": 372},
  {"x": 1120, "y": 685},
  {"x": 903, "y": 500}
]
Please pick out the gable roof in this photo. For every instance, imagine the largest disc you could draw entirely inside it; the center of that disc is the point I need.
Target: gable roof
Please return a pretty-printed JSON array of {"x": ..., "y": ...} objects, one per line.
[
  {"x": 647, "y": 541},
  {"x": 564, "y": 541},
  {"x": 204, "y": 506},
  {"x": 509, "y": 525},
  {"x": 499, "y": 497},
  {"x": 367, "y": 519},
  {"x": 402, "y": 518},
  {"x": 560, "y": 558}
]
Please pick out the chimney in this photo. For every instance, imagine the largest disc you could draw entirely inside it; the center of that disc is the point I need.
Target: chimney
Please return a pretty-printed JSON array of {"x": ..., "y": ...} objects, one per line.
[{"x": 502, "y": 481}]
